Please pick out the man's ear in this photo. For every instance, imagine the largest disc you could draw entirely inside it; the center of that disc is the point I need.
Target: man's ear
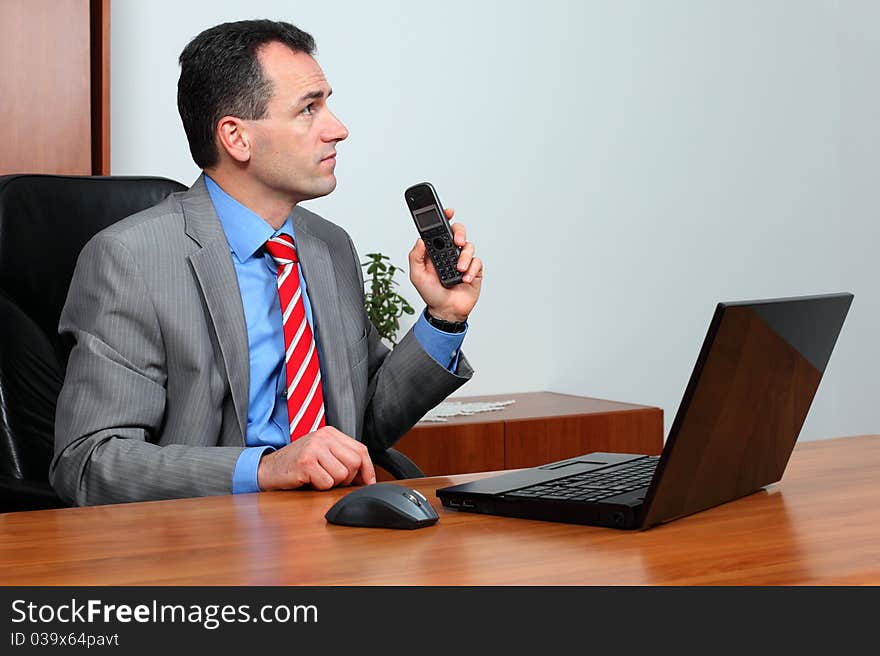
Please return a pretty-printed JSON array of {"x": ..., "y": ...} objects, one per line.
[{"x": 233, "y": 138}]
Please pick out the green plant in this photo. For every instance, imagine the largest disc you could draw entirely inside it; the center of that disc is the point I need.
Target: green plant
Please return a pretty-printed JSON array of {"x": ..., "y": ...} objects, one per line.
[{"x": 384, "y": 305}]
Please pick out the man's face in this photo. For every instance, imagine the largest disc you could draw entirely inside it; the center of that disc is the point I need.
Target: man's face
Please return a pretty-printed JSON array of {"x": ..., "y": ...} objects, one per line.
[{"x": 293, "y": 149}]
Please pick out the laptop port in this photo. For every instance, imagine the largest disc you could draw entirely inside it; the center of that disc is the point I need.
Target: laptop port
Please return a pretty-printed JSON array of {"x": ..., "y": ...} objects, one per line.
[
  {"x": 467, "y": 504},
  {"x": 455, "y": 503}
]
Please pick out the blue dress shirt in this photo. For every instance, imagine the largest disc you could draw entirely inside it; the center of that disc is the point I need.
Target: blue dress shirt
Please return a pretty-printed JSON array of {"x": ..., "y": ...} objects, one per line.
[{"x": 267, "y": 424}]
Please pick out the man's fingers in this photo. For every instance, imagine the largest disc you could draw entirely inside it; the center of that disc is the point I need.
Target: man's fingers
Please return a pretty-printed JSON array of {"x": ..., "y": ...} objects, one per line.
[
  {"x": 343, "y": 458},
  {"x": 323, "y": 459},
  {"x": 475, "y": 271},
  {"x": 367, "y": 473},
  {"x": 318, "y": 477},
  {"x": 459, "y": 234},
  {"x": 464, "y": 259},
  {"x": 350, "y": 457},
  {"x": 419, "y": 261},
  {"x": 335, "y": 468},
  {"x": 357, "y": 458},
  {"x": 417, "y": 254}
]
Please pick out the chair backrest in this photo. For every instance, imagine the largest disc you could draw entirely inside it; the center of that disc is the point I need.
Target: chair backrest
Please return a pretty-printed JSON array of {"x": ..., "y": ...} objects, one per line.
[{"x": 45, "y": 220}]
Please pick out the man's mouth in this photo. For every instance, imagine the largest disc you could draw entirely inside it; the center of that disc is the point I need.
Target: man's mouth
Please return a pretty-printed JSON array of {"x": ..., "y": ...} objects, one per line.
[{"x": 329, "y": 157}]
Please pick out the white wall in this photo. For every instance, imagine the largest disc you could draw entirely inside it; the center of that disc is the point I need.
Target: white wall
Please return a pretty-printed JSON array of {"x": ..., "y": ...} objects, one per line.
[
  {"x": 854, "y": 376},
  {"x": 621, "y": 167}
]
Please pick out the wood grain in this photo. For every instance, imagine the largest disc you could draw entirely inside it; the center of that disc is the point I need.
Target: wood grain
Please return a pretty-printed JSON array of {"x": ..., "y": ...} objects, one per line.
[
  {"x": 538, "y": 428},
  {"x": 533, "y": 443},
  {"x": 820, "y": 525},
  {"x": 461, "y": 448},
  {"x": 46, "y": 88}
]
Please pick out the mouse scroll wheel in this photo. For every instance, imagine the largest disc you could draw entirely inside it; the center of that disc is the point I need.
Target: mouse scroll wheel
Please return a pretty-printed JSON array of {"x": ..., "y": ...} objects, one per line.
[{"x": 412, "y": 498}]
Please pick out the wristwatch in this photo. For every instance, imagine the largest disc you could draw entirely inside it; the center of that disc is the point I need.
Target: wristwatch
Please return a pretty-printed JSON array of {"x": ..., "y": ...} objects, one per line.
[{"x": 445, "y": 326}]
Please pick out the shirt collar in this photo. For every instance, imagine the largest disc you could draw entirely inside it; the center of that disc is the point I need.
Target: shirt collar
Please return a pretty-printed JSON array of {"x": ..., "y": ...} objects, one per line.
[{"x": 245, "y": 231}]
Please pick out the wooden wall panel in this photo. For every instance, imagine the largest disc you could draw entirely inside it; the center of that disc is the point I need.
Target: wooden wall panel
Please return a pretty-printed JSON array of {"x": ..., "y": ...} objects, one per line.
[{"x": 45, "y": 86}]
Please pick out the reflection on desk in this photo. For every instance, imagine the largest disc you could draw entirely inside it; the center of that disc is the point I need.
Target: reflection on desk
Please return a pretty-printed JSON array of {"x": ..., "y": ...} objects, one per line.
[{"x": 820, "y": 525}]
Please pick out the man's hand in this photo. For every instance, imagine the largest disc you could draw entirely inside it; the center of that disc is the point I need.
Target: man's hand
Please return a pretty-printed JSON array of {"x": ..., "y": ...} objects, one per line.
[
  {"x": 447, "y": 304},
  {"x": 323, "y": 459}
]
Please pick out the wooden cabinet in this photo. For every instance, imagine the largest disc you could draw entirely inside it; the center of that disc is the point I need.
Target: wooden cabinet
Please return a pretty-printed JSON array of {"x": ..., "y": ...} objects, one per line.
[
  {"x": 539, "y": 427},
  {"x": 55, "y": 86}
]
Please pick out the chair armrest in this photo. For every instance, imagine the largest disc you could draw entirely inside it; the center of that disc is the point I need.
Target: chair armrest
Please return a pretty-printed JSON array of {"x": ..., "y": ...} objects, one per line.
[
  {"x": 17, "y": 494},
  {"x": 396, "y": 464}
]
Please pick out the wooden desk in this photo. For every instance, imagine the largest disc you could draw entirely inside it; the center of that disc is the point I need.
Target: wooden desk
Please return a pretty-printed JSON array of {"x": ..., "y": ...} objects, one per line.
[
  {"x": 540, "y": 427},
  {"x": 821, "y": 525}
]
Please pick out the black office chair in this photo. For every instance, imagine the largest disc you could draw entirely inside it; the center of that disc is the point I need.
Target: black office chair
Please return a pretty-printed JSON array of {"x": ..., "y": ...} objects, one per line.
[{"x": 45, "y": 220}]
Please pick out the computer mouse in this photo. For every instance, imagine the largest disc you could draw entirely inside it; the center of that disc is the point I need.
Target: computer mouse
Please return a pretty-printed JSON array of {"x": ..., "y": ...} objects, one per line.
[{"x": 383, "y": 505}]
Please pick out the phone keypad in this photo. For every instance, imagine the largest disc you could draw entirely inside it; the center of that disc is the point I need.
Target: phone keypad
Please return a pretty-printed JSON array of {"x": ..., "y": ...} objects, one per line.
[{"x": 444, "y": 254}]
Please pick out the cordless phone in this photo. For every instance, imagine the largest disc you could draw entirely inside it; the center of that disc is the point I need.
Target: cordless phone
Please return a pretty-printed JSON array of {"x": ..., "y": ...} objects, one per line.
[{"x": 435, "y": 231}]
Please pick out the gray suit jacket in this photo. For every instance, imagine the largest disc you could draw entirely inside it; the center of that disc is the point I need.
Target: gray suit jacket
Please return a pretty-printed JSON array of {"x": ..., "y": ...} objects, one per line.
[{"x": 155, "y": 400}]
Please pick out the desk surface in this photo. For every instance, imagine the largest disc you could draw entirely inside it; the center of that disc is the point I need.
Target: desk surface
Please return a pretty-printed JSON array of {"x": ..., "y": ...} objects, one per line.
[{"x": 820, "y": 525}]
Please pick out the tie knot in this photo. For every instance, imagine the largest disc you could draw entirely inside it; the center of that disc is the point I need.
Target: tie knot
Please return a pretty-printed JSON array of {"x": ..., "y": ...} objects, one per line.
[{"x": 282, "y": 250}]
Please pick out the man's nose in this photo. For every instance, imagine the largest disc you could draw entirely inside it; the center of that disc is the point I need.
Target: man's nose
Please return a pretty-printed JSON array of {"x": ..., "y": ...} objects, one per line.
[{"x": 336, "y": 130}]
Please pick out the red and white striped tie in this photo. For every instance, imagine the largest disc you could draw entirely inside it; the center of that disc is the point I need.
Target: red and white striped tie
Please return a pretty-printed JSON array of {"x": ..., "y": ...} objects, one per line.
[{"x": 305, "y": 398}]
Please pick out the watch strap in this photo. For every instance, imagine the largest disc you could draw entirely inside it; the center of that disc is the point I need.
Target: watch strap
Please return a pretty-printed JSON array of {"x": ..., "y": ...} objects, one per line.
[{"x": 445, "y": 326}]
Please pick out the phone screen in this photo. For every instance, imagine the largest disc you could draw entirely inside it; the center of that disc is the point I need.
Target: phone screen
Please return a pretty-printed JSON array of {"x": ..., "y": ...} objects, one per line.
[{"x": 427, "y": 218}]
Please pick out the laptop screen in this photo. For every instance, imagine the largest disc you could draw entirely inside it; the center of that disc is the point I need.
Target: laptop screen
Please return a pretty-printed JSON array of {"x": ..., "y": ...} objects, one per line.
[{"x": 747, "y": 399}]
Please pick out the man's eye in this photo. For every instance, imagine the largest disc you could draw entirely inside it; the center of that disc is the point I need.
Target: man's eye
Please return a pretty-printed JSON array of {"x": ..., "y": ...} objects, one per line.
[{"x": 308, "y": 110}]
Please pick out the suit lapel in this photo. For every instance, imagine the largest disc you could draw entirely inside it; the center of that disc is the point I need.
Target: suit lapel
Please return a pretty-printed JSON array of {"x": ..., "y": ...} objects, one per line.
[
  {"x": 214, "y": 271},
  {"x": 320, "y": 278}
]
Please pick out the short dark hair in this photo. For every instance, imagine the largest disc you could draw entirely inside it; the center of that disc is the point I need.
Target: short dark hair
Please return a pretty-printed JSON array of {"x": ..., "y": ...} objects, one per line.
[{"x": 220, "y": 75}]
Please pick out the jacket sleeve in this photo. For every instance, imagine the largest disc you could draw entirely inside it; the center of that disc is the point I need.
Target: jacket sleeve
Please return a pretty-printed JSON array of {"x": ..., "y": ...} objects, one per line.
[
  {"x": 111, "y": 408},
  {"x": 404, "y": 383}
]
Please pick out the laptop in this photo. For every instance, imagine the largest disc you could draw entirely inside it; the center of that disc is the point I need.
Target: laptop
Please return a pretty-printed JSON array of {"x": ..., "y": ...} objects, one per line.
[{"x": 742, "y": 410}]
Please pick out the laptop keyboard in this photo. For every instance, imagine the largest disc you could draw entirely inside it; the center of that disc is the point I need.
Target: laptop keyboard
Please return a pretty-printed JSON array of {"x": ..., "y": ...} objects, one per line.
[{"x": 594, "y": 485}]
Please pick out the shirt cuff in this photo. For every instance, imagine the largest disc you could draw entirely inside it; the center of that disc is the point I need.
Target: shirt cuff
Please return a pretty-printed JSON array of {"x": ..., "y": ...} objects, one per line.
[
  {"x": 244, "y": 478},
  {"x": 443, "y": 347}
]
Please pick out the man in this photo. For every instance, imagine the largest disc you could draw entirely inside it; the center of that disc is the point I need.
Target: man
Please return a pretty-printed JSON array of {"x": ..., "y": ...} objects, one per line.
[{"x": 220, "y": 343}]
